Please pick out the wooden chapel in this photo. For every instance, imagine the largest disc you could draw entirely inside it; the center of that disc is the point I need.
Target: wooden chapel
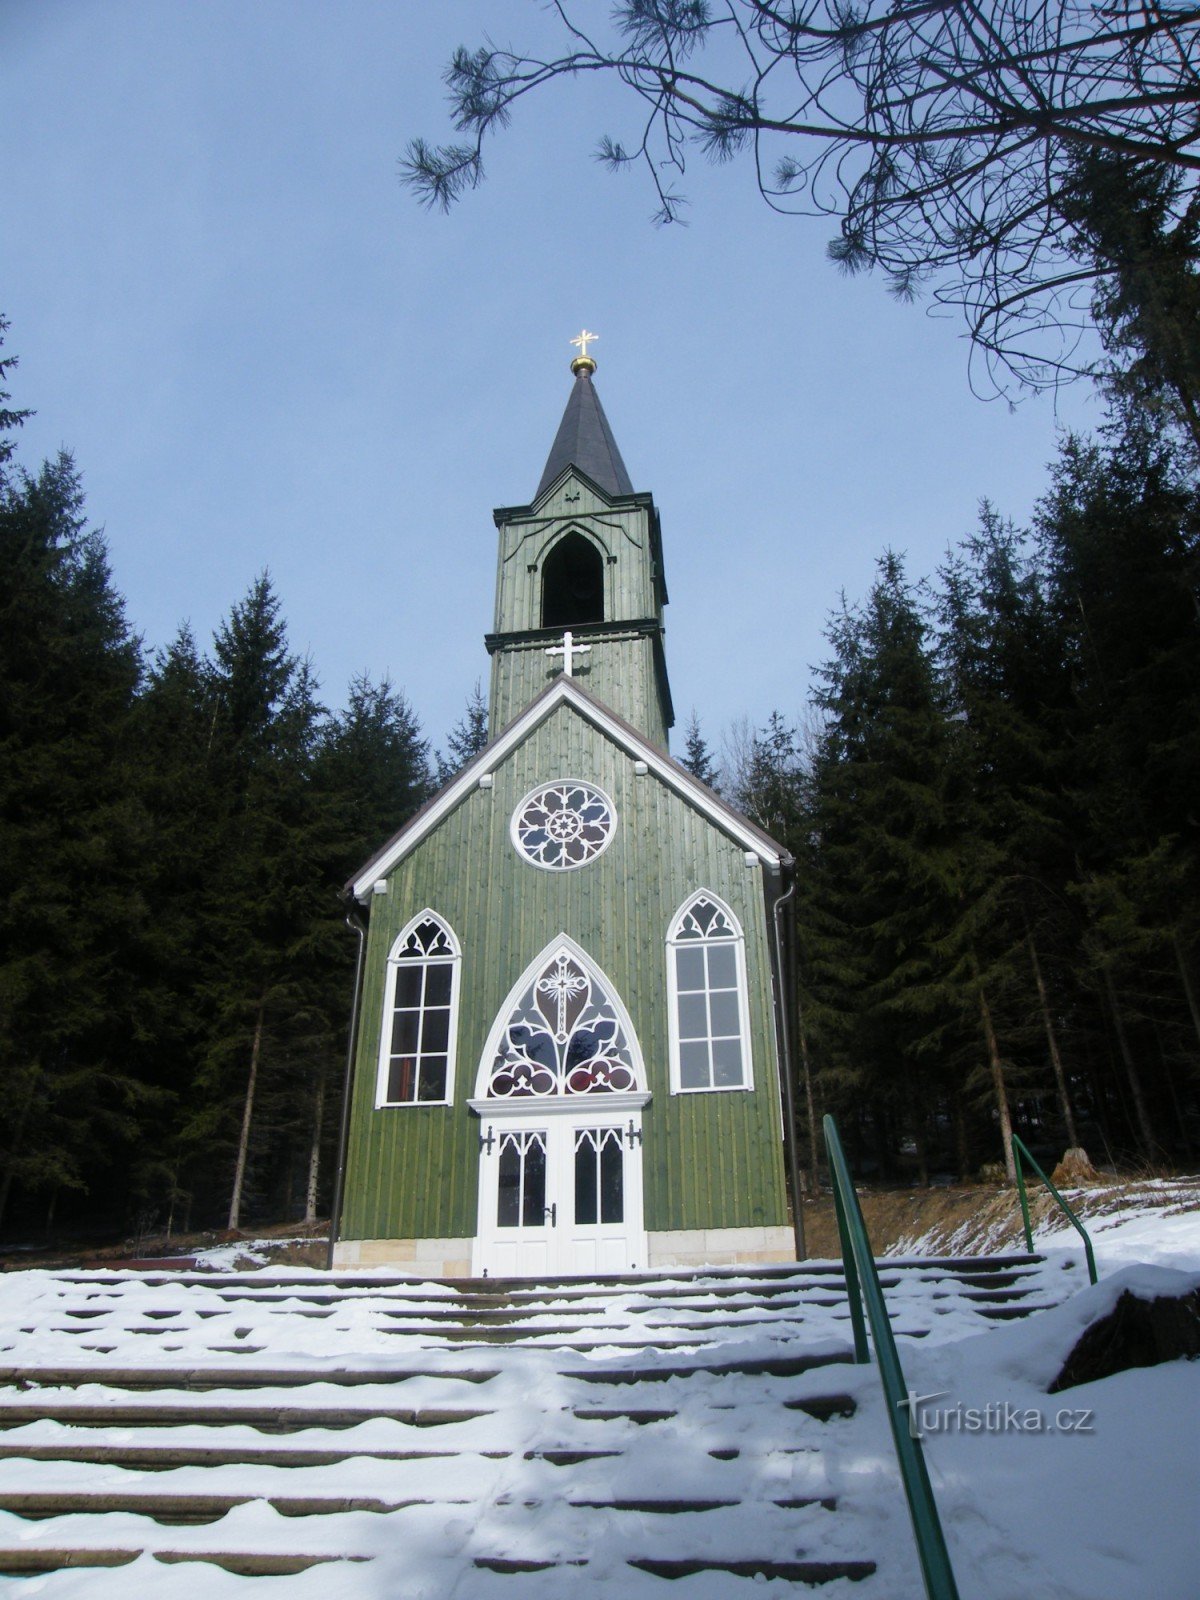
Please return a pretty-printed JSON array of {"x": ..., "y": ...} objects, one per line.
[{"x": 566, "y": 1060}]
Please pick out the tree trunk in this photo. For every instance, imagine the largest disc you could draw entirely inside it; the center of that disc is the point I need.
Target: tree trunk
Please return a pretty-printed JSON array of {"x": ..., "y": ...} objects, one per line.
[
  {"x": 1188, "y": 406},
  {"x": 921, "y": 1147},
  {"x": 314, "y": 1154},
  {"x": 1168, "y": 1077},
  {"x": 999, "y": 1088},
  {"x": 1188, "y": 987},
  {"x": 174, "y": 1197},
  {"x": 1060, "y": 1077},
  {"x": 961, "y": 1146},
  {"x": 1145, "y": 1130},
  {"x": 18, "y": 1141},
  {"x": 235, "y": 1203}
]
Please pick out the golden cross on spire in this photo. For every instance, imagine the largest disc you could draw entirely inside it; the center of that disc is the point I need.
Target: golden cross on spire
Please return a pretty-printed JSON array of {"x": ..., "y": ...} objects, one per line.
[{"x": 584, "y": 362}]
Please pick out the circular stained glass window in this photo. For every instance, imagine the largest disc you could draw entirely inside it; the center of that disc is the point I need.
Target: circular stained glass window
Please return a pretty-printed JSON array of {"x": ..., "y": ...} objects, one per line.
[{"x": 563, "y": 825}]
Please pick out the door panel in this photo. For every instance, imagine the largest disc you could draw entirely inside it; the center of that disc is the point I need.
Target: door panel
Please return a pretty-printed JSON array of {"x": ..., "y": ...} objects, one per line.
[
  {"x": 563, "y": 1199},
  {"x": 603, "y": 1227},
  {"x": 518, "y": 1173}
]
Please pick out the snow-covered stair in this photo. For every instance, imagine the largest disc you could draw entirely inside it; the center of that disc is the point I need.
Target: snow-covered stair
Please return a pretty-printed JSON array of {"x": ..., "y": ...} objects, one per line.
[{"x": 428, "y": 1439}]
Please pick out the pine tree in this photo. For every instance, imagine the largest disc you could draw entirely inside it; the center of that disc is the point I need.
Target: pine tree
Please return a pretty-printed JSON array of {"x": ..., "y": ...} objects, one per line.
[
  {"x": 1132, "y": 225},
  {"x": 174, "y": 729},
  {"x": 1121, "y": 534},
  {"x": 902, "y": 885},
  {"x": 374, "y": 759},
  {"x": 769, "y": 788},
  {"x": 267, "y": 910},
  {"x": 372, "y": 765},
  {"x": 467, "y": 738},
  {"x": 70, "y": 842},
  {"x": 697, "y": 758},
  {"x": 1001, "y": 658},
  {"x": 10, "y": 420}
]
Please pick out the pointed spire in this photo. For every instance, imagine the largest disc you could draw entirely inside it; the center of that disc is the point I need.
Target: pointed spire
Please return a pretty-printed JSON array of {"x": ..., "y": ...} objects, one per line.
[{"x": 584, "y": 438}]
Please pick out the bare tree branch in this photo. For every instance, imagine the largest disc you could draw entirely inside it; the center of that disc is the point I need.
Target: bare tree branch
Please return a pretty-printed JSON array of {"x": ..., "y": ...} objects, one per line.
[{"x": 943, "y": 135}]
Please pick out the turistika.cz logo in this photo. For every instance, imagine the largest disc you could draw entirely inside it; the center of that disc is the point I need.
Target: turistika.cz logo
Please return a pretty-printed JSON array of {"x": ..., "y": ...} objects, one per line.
[{"x": 997, "y": 1416}]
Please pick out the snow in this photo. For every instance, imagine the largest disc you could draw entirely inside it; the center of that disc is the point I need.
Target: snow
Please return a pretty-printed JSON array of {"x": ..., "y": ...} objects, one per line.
[
  {"x": 1152, "y": 1220},
  {"x": 1102, "y": 1511},
  {"x": 1166, "y": 1234},
  {"x": 1102, "y": 1514}
]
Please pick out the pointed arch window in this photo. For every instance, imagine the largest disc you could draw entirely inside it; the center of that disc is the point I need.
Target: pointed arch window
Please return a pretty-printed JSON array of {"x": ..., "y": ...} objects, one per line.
[
  {"x": 706, "y": 988},
  {"x": 572, "y": 583},
  {"x": 563, "y": 1032},
  {"x": 420, "y": 1018}
]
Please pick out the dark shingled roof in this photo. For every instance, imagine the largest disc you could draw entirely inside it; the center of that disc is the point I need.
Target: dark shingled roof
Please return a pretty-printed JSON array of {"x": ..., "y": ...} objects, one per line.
[{"x": 584, "y": 440}]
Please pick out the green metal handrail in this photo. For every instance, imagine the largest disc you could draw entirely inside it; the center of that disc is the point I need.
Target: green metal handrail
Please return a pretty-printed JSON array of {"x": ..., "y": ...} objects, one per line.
[
  {"x": 1020, "y": 1148},
  {"x": 863, "y": 1287}
]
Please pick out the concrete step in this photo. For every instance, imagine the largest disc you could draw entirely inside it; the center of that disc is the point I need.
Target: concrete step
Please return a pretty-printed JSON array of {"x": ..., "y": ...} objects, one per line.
[
  {"x": 762, "y": 1366},
  {"x": 166, "y": 1457},
  {"x": 190, "y": 1509},
  {"x": 200, "y": 1380},
  {"x": 334, "y": 1288},
  {"x": 808, "y": 1572},
  {"x": 24, "y": 1561},
  {"x": 266, "y": 1418}
]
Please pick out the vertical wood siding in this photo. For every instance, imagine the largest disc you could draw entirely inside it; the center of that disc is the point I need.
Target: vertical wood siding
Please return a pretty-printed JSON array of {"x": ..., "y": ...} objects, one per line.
[
  {"x": 711, "y": 1160},
  {"x": 619, "y": 670}
]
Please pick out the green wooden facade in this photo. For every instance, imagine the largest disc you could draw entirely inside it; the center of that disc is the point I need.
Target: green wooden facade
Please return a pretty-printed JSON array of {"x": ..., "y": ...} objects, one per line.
[{"x": 710, "y": 1161}]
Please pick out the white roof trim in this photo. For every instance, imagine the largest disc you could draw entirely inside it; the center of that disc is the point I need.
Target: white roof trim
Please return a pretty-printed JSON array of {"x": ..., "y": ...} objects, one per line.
[{"x": 562, "y": 689}]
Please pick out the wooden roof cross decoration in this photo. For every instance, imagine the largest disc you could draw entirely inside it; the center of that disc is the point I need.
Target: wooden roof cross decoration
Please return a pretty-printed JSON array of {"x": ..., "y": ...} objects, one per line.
[{"x": 568, "y": 650}]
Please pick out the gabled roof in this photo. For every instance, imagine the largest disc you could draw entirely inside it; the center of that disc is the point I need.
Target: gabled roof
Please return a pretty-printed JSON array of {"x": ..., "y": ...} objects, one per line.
[
  {"x": 584, "y": 440},
  {"x": 564, "y": 690}
]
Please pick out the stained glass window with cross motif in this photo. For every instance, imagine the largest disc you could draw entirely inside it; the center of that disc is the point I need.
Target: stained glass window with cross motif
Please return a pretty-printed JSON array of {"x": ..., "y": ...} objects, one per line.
[{"x": 564, "y": 1036}]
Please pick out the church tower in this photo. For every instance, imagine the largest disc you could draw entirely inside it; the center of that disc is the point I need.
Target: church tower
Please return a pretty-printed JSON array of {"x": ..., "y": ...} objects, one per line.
[
  {"x": 567, "y": 1058},
  {"x": 585, "y": 557}
]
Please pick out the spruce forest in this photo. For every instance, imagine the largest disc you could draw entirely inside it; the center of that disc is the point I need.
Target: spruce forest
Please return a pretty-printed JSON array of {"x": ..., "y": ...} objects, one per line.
[{"x": 993, "y": 799}]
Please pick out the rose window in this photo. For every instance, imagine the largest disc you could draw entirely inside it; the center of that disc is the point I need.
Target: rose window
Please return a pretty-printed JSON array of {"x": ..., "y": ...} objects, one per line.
[{"x": 563, "y": 825}]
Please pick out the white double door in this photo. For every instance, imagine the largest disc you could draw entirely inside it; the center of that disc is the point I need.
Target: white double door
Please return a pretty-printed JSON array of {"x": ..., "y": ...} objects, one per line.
[{"x": 560, "y": 1193}]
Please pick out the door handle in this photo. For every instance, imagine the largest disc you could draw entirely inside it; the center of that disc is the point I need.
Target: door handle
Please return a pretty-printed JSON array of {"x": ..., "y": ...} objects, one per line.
[{"x": 551, "y": 1211}]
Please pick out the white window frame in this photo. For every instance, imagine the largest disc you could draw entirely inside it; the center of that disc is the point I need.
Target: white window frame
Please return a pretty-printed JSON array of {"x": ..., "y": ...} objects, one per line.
[
  {"x": 738, "y": 942},
  {"x": 395, "y": 963}
]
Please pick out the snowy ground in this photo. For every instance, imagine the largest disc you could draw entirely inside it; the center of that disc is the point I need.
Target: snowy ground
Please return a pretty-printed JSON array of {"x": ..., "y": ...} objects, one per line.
[{"x": 1088, "y": 1494}]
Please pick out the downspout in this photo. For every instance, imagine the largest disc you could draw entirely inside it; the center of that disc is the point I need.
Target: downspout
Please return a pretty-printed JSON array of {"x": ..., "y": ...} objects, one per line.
[
  {"x": 786, "y": 978},
  {"x": 353, "y": 920}
]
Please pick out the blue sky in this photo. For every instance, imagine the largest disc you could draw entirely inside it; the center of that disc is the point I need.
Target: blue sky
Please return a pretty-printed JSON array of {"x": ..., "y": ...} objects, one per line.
[{"x": 265, "y": 354}]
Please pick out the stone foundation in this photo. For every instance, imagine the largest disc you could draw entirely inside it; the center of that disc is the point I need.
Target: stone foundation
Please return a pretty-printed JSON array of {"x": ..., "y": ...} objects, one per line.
[
  {"x": 720, "y": 1247},
  {"x": 689, "y": 1247},
  {"x": 424, "y": 1258}
]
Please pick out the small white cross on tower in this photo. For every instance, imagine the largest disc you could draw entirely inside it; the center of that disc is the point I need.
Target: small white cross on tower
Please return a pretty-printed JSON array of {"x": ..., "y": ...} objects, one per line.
[{"x": 568, "y": 650}]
